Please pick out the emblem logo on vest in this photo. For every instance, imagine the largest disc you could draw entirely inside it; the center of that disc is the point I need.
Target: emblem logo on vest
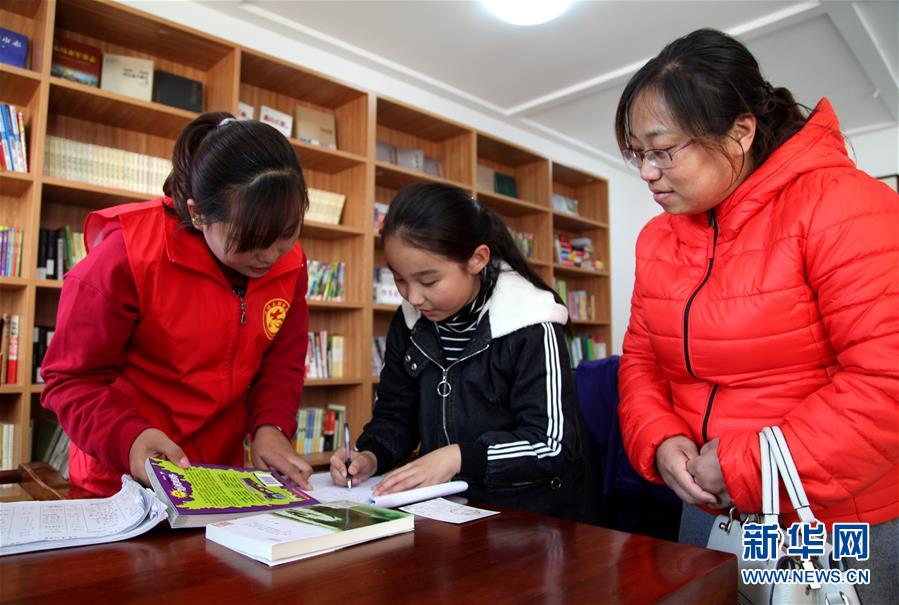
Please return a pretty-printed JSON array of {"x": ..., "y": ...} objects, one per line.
[{"x": 273, "y": 315}]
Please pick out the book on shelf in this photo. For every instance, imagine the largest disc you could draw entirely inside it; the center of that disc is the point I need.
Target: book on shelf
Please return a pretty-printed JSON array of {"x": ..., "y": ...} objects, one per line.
[
  {"x": 177, "y": 91},
  {"x": 13, "y": 48},
  {"x": 129, "y": 76},
  {"x": 245, "y": 111},
  {"x": 7, "y": 445},
  {"x": 206, "y": 493},
  {"x": 486, "y": 179},
  {"x": 413, "y": 159},
  {"x": 76, "y": 61},
  {"x": 12, "y": 352},
  {"x": 524, "y": 240},
  {"x": 279, "y": 120},
  {"x": 505, "y": 184},
  {"x": 315, "y": 126},
  {"x": 10, "y": 251},
  {"x": 380, "y": 214},
  {"x": 324, "y": 355},
  {"x": 325, "y": 206},
  {"x": 384, "y": 287},
  {"x": 576, "y": 252},
  {"x": 13, "y": 139},
  {"x": 317, "y": 429},
  {"x": 43, "y": 335},
  {"x": 385, "y": 152},
  {"x": 585, "y": 348},
  {"x": 565, "y": 204},
  {"x": 433, "y": 166},
  {"x": 326, "y": 280},
  {"x": 378, "y": 354},
  {"x": 288, "y": 535}
]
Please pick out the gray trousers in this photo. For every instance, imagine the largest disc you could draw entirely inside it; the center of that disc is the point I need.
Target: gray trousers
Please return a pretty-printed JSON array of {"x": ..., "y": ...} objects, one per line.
[{"x": 696, "y": 524}]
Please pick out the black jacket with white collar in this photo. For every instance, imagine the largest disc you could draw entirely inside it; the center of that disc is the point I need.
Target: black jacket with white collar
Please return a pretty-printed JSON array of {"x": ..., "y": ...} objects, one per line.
[{"x": 509, "y": 400}]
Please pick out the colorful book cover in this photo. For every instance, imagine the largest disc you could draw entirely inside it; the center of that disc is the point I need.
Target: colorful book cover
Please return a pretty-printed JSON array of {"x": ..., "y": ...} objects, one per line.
[
  {"x": 76, "y": 61},
  {"x": 206, "y": 493}
]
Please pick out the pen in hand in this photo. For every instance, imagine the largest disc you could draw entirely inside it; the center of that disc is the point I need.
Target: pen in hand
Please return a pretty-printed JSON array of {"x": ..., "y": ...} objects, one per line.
[{"x": 348, "y": 461}]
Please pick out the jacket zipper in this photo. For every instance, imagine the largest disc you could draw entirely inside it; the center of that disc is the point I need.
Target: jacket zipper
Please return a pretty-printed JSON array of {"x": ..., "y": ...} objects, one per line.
[
  {"x": 241, "y": 294},
  {"x": 443, "y": 387},
  {"x": 713, "y": 223},
  {"x": 708, "y": 414}
]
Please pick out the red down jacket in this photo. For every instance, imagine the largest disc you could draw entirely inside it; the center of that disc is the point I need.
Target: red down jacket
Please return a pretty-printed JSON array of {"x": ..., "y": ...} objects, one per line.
[{"x": 779, "y": 307}]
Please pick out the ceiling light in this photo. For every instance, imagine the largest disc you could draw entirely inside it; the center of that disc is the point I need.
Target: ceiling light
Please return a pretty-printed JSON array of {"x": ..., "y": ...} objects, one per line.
[{"x": 527, "y": 12}]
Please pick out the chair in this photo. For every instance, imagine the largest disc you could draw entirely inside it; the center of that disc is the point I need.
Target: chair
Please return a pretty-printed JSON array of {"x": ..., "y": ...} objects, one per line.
[{"x": 619, "y": 497}]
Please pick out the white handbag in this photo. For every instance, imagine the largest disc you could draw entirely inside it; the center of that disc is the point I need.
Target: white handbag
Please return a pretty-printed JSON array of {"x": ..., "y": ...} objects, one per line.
[{"x": 727, "y": 536}]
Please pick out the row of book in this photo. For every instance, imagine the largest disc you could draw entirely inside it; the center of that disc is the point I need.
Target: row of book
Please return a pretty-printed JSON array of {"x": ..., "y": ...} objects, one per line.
[
  {"x": 326, "y": 280},
  {"x": 581, "y": 305},
  {"x": 525, "y": 242},
  {"x": 414, "y": 159},
  {"x": 51, "y": 444},
  {"x": 378, "y": 354},
  {"x": 105, "y": 166},
  {"x": 565, "y": 204},
  {"x": 585, "y": 348},
  {"x": 324, "y": 355},
  {"x": 325, "y": 206},
  {"x": 10, "y": 251},
  {"x": 320, "y": 430},
  {"x": 489, "y": 179},
  {"x": 310, "y": 126},
  {"x": 7, "y": 443},
  {"x": 12, "y": 138},
  {"x": 123, "y": 74},
  {"x": 42, "y": 337},
  {"x": 9, "y": 348},
  {"x": 58, "y": 251},
  {"x": 576, "y": 252},
  {"x": 384, "y": 290}
]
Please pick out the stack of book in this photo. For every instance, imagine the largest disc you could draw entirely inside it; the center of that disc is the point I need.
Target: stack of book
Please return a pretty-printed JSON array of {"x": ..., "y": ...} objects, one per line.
[
  {"x": 326, "y": 280},
  {"x": 58, "y": 251},
  {"x": 408, "y": 157},
  {"x": 585, "y": 348},
  {"x": 318, "y": 429},
  {"x": 9, "y": 348},
  {"x": 10, "y": 251},
  {"x": 7, "y": 443},
  {"x": 525, "y": 242},
  {"x": 565, "y": 204},
  {"x": 105, "y": 166},
  {"x": 580, "y": 302},
  {"x": 576, "y": 252},
  {"x": 378, "y": 354},
  {"x": 324, "y": 355},
  {"x": 42, "y": 337},
  {"x": 13, "y": 139},
  {"x": 325, "y": 206},
  {"x": 384, "y": 287}
]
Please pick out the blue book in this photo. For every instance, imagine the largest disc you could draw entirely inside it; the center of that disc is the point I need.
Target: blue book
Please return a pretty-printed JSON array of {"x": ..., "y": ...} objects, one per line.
[{"x": 13, "y": 48}]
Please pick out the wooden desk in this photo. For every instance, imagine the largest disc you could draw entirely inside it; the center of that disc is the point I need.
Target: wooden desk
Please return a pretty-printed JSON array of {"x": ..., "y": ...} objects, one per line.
[{"x": 514, "y": 557}]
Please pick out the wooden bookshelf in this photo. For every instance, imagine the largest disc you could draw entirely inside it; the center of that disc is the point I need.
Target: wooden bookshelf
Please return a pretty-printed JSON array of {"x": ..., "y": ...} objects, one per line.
[{"x": 232, "y": 73}]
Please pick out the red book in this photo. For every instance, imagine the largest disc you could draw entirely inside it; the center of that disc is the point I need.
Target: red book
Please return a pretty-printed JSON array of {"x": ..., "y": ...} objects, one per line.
[
  {"x": 12, "y": 363},
  {"x": 76, "y": 61}
]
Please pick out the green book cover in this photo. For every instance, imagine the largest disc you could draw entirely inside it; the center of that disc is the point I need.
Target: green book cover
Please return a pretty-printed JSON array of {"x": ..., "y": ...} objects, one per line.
[{"x": 505, "y": 184}]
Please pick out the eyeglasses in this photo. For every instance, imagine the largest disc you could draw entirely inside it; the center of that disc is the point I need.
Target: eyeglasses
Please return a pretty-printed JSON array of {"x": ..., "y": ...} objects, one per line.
[{"x": 657, "y": 158}]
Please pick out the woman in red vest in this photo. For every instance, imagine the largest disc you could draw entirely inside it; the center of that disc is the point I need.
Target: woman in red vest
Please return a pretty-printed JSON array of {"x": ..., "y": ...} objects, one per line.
[
  {"x": 765, "y": 294},
  {"x": 184, "y": 328}
]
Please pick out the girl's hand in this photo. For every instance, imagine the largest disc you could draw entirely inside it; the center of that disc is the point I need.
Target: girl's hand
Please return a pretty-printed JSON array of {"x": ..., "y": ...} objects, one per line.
[
  {"x": 672, "y": 457},
  {"x": 153, "y": 443},
  {"x": 272, "y": 450},
  {"x": 362, "y": 466},
  {"x": 437, "y": 467},
  {"x": 706, "y": 470}
]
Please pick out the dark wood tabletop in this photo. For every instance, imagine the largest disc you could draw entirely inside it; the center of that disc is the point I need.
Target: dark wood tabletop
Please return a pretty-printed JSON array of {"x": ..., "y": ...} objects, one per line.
[{"x": 514, "y": 557}]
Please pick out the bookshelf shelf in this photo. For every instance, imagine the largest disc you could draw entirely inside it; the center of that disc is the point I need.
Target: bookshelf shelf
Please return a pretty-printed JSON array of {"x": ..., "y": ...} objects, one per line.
[
  {"x": 232, "y": 73},
  {"x": 563, "y": 269},
  {"x": 588, "y": 322},
  {"x": 86, "y": 195},
  {"x": 113, "y": 109},
  {"x": 14, "y": 184}
]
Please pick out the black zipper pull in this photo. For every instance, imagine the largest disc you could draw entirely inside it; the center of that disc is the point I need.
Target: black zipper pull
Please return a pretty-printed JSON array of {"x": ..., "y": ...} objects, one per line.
[{"x": 241, "y": 292}]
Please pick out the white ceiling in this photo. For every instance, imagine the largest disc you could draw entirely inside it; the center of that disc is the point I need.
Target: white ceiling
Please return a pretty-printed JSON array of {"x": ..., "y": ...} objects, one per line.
[{"x": 563, "y": 79}]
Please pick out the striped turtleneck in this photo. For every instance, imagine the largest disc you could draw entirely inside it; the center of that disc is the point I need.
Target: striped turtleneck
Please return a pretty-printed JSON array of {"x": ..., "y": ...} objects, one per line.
[{"x": 455, "y": 332}]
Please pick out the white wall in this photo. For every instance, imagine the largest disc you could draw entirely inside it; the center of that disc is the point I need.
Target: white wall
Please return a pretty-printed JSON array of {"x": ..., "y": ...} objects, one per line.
[{"x": 877, "y": 152}]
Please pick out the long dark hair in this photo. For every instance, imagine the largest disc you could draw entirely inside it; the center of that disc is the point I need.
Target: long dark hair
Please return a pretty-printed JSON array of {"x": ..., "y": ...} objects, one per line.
[
  {"x": 445, "y": 220},
  {"x": 242, "y": 172},
  {"x": 706, "y": 80}
]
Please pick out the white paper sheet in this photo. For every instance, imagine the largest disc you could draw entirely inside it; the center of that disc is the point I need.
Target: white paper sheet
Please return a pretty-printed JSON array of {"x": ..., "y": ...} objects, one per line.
[
  {"x": 326, "y": 491},
  {"x": 442, "y": 509},
  {"x": 29, "y": 526}
]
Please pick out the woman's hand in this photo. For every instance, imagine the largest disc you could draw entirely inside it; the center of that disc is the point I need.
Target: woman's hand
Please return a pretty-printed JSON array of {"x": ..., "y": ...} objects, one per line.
[
  {"x": 362, "y": 466},
  {"x": 272, "y": 450},
  {"x": 437, "y": 467},
  {"x": 706, "y": 471},
  {"x": 153, "y": 443},
  {"x": 672, "y": 457}
]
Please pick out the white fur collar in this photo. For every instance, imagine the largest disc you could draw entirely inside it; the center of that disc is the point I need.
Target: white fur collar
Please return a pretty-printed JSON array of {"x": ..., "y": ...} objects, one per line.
[{"x": 514, "y": 304}]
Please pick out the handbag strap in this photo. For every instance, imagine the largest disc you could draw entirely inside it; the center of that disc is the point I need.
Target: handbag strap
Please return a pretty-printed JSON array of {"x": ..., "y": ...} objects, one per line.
[
  {"x": 770, "y": 492},
  {"x": 780, "y": 452}
]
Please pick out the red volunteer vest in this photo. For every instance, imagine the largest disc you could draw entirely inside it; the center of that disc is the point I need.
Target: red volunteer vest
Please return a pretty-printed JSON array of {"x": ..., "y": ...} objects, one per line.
[{"x": 190, "y": 359}]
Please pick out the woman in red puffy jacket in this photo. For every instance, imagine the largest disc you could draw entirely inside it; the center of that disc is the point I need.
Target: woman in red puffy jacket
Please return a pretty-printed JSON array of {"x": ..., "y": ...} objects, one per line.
[{"x": 765, "y": 294}]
